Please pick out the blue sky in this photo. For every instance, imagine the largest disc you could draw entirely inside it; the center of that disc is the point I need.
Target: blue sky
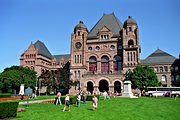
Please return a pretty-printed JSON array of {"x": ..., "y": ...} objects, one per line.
[{"x": 53, "y": 21}]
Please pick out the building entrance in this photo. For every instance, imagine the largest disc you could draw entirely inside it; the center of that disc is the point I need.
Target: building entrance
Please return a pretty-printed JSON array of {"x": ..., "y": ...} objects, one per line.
[
  {"x": 90, "y": 87},
  {"x": 117, "y": 86},
  {"x": 103, "y": 86}
]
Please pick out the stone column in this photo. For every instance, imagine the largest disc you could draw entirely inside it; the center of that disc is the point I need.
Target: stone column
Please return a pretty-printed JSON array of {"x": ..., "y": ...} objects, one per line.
[{"x": 111, "y": 89}]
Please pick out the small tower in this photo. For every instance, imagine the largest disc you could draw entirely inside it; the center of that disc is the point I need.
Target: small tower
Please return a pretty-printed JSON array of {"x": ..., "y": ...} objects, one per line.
[
  {"x": 78, "y": 45},
  {"x": 130, "y": 41}
]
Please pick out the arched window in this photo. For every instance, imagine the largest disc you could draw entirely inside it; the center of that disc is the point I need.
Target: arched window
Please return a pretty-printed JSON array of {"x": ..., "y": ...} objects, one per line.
[
  {"x": 164, "y": 78},
  {"x": 130, "y": 43},
  {"x": 117, "y": 63},
  {"x": 104, "y": 64},
  {"x": 92, "y": 64}
]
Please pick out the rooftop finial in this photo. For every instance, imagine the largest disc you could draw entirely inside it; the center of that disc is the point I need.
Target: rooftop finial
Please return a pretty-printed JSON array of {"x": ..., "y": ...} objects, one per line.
[
  {"x": 81, "y": 21},
  {"x": 129, "y": 17}
]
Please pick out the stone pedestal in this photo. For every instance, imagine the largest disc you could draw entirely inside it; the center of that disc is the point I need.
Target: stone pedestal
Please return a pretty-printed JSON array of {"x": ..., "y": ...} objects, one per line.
[{"x": 127, "y": 90}]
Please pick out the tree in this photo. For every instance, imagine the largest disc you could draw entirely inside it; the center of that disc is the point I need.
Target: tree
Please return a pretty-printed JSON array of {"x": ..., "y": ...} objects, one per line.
[
  {"x": 142, "y": 77},
  {"x": 176, "y": 82},
  {"x": 58, "y": 80},
  {"x": 11, "y": 78}
]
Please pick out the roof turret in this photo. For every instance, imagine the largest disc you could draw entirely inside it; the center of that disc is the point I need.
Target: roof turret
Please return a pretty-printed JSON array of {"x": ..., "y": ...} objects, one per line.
[
  {"x": 130, "y": 21},
  {"x": 80, "y": 26}
]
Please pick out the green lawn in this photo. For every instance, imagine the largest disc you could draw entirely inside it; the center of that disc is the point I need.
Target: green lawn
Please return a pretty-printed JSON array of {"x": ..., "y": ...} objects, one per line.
[{"x": 149, "y": 108}]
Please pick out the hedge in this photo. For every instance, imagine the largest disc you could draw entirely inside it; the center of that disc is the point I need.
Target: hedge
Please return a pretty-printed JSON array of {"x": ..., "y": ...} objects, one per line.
[
  {"x": 72, "y": 99},
  {"x": 8, "y": 109},
  {"x": 90, "y": 97},
  {"x": 5, "y": 95}
]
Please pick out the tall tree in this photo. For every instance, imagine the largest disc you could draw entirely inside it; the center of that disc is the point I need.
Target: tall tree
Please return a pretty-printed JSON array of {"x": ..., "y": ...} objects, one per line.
[
  {"x": 58, "y": 80},
  {"x": 11, "y": 78},
  {"x": 142, "y": 77}
]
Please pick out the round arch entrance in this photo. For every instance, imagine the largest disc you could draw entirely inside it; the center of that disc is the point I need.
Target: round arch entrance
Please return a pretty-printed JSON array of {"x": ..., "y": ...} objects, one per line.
[
  {"x": 117, "y": 86},
  {"x": 103, "y": 86},
  {"x": 90, "y": 87}
]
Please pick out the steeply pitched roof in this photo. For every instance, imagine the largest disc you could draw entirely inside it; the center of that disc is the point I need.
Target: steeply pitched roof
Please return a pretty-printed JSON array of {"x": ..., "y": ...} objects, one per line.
[
  {"x": 159, "y": 57},
  {"x": 108, "y": 20},
  {"x": 66, "y": 57},
  {"x": 42, "y": 49}
]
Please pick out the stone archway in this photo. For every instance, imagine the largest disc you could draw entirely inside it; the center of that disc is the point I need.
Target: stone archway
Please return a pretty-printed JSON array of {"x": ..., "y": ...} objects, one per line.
[
  {"x": 117, "y": 86},
  {"x": 90, "y": 86},
  {"x": 103, "y": 85}
]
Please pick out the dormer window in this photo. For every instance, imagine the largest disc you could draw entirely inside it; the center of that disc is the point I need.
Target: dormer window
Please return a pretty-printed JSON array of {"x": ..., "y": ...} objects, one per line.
[{"x": 104, "y": 37}]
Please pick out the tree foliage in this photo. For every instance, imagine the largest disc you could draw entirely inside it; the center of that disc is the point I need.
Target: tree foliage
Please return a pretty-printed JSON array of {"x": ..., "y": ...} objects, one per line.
[
  {"x": 176, "y": 82},
  {"x": 57, "y": 80},
  {"x": 142, "y": 77},
  {"x": 12, "y": 77}
]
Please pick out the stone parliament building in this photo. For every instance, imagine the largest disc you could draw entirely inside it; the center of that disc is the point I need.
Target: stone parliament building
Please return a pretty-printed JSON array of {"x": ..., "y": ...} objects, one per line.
[{"x": 100, "y": 58}]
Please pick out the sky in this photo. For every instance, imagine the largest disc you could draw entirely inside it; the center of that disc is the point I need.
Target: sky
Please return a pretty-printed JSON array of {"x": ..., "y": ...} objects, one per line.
[{"x": 53, "y": 21}]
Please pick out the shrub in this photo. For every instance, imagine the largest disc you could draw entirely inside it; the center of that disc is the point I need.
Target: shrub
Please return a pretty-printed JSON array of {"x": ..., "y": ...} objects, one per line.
[
  {"x": 8, "y": 109},
  {"x": 5, "y": 95},
  {"x": 90, "y": 97},
  {"x": 71, "y": 98}
]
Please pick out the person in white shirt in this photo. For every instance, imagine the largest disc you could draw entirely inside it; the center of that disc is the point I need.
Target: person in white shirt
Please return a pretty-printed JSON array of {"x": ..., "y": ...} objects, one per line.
[
  {"x": 78, "y": 99},
  {"x": 67, "y": 103}
]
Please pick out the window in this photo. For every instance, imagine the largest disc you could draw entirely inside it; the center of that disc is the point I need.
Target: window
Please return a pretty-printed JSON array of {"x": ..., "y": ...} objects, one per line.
[
  {"x": 75, "y": 74},
  {"x": 163, "y": 78},
  {"x": 90, "y": 48},
  {"x": 130, "y": 43},
  {"x": 75, "y": 59},
  {"x": 161, "y": 69},
  {"x": 112, "y": 47},
  {"x": 104, "y": 37},
  {"x": 134, "y": 56},
  {"x": 117, "y": 63},
  {"x": 78, "y": 74},
  {"x": 79, "y": 33},
  {"x": 80, "y": 58},
  {"x": 156, "y": 69},
  {"x": 92, "y": 64},
  {"x": 165, "y": 68},
  {"x": 131, "y": 56},
  {"x": 130, "y": 28},
  {"x": 104, "y": 64},
  {"x": 97, "y": 48}
]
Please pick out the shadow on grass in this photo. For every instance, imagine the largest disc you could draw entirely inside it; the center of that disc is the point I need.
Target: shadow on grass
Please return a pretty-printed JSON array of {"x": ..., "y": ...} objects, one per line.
[{"x": 90, "y": 109}]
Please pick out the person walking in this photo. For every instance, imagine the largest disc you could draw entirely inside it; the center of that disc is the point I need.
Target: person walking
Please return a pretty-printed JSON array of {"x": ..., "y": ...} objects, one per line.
[
  {"x": 67, "y": 103},
  {"x": 78, "y": 99},
  {"x": 95, "y": 102},
  {"x": 58, "y": 98}
]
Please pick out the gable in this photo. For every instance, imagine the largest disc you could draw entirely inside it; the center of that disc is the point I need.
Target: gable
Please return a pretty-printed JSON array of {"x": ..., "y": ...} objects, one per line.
[{"x": 108, "y": 20}]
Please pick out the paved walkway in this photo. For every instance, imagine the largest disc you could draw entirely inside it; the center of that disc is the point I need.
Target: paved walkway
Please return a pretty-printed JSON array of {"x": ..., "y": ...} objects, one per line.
[{"x": 34, "y": 101}]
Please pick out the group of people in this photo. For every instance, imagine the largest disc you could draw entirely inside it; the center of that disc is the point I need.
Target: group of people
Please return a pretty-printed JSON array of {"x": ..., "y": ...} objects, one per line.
[{"x": 80, "y": 96}]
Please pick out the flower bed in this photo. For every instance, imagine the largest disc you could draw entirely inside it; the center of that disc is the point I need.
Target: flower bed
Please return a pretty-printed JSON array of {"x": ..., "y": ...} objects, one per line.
[
  {"x": 48, "y": 101},
  {"x": 21, "y": 109},
  {"x": 13, "y": 98}
]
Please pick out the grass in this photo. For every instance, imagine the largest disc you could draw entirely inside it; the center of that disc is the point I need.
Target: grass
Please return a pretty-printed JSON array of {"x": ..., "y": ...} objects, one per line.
[{"x": 144, "y": 108}]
